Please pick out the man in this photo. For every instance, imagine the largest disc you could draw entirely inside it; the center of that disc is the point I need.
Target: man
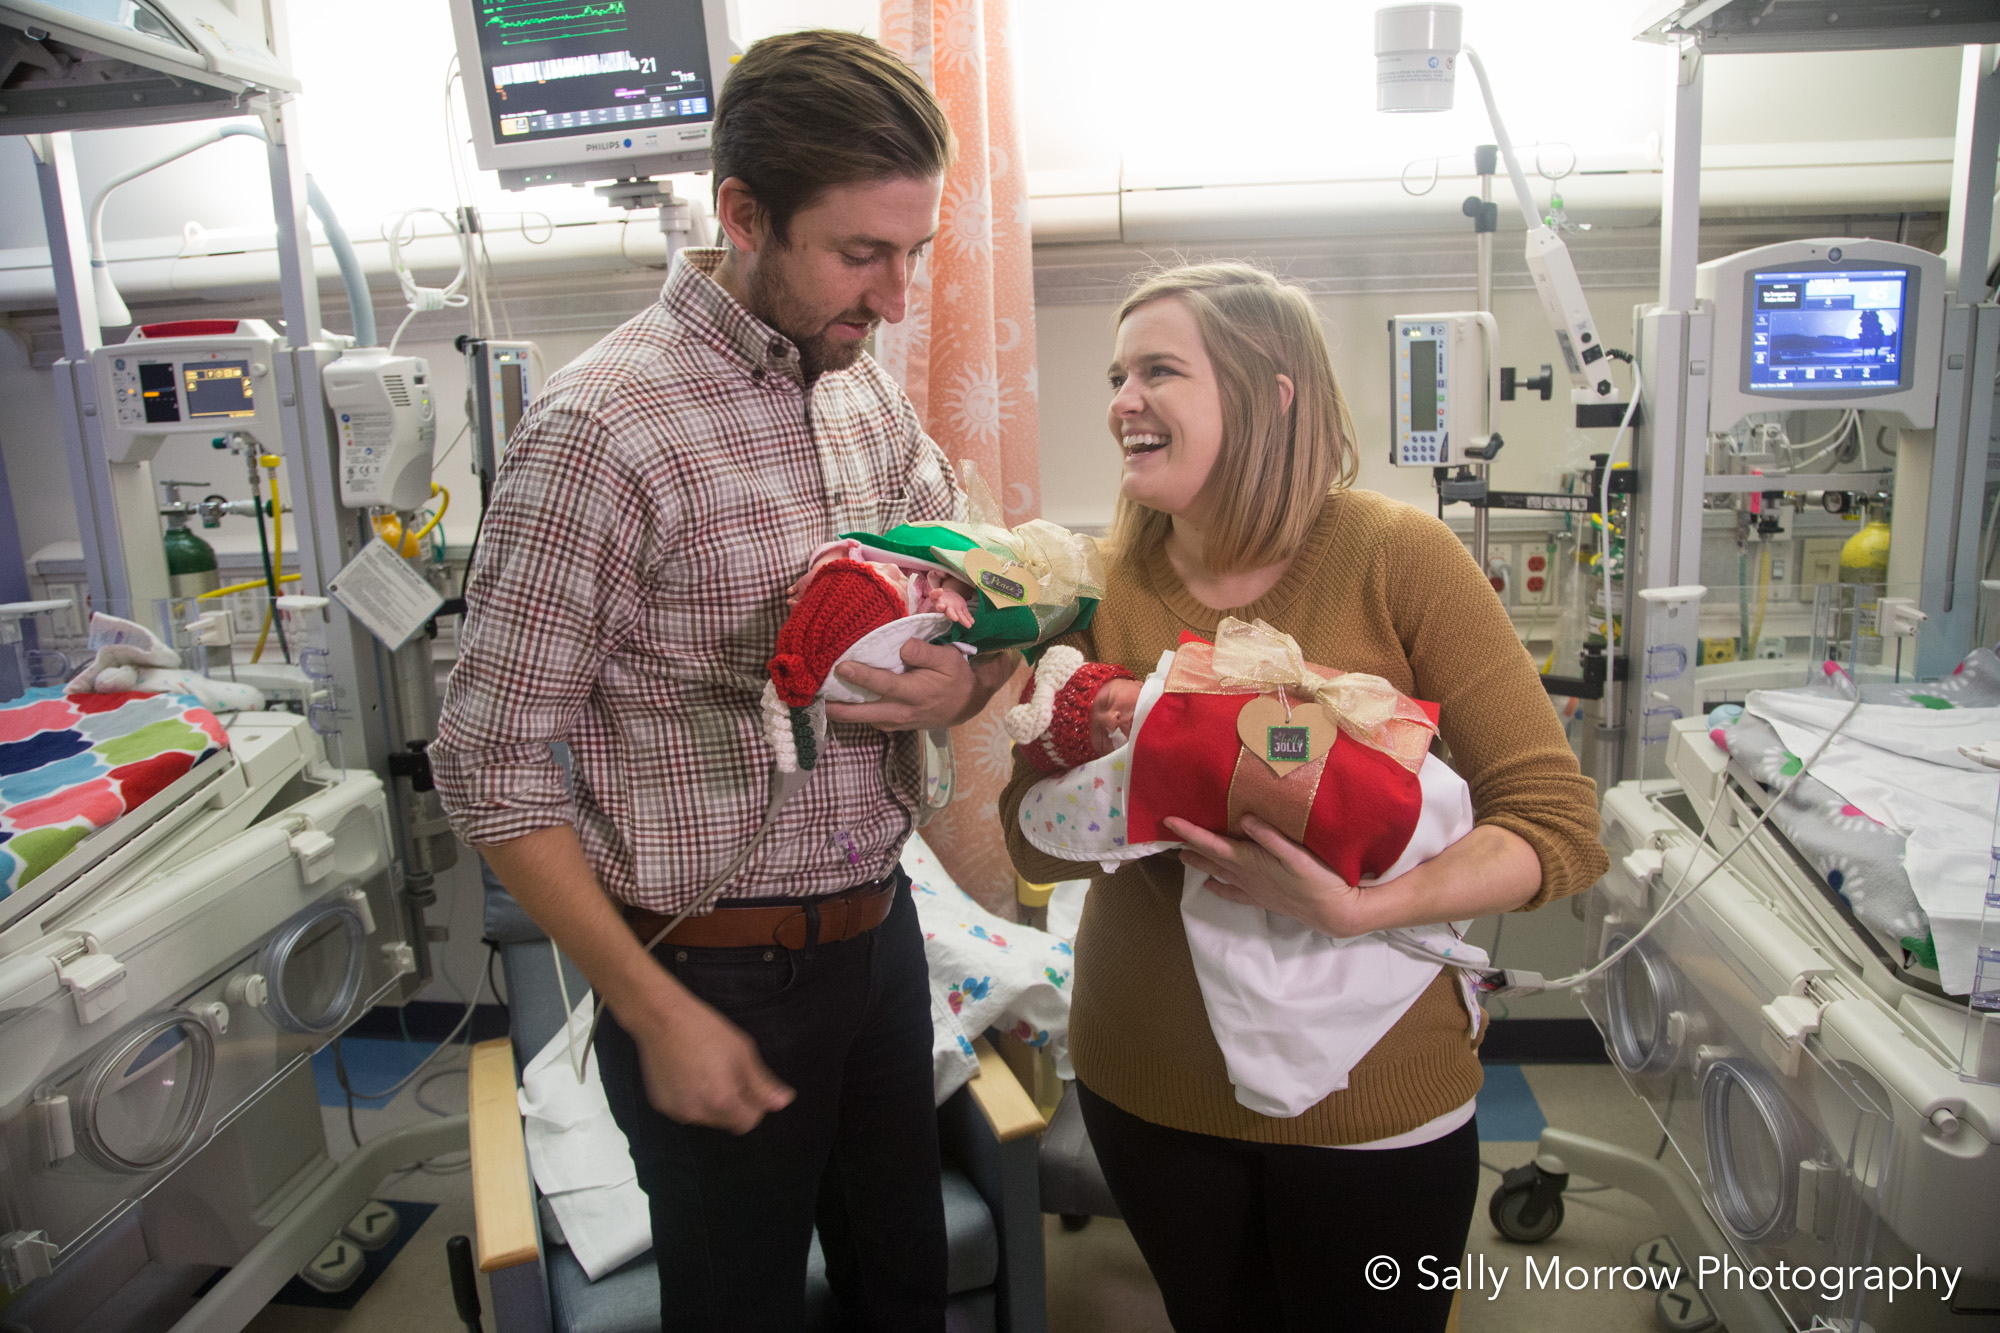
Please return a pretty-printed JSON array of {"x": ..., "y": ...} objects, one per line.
[{"x": 769, "y": 1062}]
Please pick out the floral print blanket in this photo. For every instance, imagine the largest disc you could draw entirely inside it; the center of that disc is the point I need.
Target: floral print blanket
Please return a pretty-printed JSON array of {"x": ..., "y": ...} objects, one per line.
[
  {"x": 986, "y": 972},
  {"x": 71, "y": 764}
]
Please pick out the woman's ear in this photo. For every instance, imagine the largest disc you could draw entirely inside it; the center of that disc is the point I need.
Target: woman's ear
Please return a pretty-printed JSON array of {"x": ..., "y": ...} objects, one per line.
[{"x": 1284, "y": 393}]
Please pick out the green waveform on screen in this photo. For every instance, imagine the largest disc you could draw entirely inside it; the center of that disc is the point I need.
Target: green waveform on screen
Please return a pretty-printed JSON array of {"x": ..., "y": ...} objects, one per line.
[{"x": 538, "y": 20}]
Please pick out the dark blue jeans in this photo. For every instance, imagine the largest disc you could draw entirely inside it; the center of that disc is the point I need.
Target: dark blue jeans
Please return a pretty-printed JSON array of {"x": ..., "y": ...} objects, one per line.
[{"x": 848, "y": 1027}]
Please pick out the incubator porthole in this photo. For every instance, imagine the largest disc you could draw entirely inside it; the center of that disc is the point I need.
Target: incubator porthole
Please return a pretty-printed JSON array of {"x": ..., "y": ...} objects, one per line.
[
  {"x": 1754, "y": 1144},
  {"x": 313, "y": 969},
  {"x": 1641, "y": 998},
  {"x": 143, "y": 1098}
]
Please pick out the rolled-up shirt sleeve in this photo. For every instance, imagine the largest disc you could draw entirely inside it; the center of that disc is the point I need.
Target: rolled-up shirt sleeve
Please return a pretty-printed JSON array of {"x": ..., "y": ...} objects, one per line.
[{"x": 555, "y": 588}]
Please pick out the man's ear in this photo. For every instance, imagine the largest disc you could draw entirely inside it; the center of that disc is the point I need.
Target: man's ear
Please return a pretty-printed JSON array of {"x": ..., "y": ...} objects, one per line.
[{"x": 741, "y": 216}]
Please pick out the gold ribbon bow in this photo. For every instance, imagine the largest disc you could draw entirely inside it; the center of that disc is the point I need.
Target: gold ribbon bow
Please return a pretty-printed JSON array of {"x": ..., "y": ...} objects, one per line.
[
  {"x": 1066, "y": 564},
  {"x": 1255, "y": 657}
]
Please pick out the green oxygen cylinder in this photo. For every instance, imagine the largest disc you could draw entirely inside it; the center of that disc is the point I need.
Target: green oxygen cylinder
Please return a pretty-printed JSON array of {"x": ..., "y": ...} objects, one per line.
[{"x": 191, "y": 567}]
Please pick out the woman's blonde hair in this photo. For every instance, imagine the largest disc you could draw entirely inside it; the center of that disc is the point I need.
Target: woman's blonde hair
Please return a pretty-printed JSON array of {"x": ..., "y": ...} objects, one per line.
[{"x": 1275, "y": 467}]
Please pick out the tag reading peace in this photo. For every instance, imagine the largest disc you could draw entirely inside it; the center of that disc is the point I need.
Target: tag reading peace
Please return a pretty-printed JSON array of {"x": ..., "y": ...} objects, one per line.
[
  {"x": 1285, "y": 743},
  {"x": 1007, "y": 583}
]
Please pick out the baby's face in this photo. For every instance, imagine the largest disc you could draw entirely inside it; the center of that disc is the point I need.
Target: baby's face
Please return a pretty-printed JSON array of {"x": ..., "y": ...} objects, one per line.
[{"x": 1111, "y": 711}]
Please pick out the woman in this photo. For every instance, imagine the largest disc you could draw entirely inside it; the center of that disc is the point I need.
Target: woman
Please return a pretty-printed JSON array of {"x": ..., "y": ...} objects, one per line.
[{"x": 1236, "y": 499}]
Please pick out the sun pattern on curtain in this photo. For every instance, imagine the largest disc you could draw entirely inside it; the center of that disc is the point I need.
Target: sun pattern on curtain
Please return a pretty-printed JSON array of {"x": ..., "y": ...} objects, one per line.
[{"x": 965, "y": 352}]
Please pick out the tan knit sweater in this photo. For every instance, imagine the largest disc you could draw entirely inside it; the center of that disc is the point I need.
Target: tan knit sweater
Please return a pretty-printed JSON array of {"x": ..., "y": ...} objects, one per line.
[{"x": 1377, "y": 587}]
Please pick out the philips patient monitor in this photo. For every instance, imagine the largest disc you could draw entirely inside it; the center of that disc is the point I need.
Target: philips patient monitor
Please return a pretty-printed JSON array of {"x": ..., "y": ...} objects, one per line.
[
  {"x": 1826, "y": 324},
  {"x": 562, "y": 93}
]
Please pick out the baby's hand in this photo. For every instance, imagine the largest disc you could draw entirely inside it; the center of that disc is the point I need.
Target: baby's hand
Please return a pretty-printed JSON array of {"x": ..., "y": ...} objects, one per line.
[{"x": 951, "y": 603}]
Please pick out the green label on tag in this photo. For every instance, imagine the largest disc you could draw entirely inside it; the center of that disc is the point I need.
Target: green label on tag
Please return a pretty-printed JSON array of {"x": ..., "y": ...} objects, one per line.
[
  {"x": 1292, "y": 745},
  {"x": 1001, "y": 584}
]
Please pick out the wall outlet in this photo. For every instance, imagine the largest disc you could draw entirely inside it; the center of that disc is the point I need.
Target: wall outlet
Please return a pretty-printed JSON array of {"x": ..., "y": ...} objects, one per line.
[
  {"x": 1535, "y": 576},
  {"x": 1771, "y": 647},
  {"x": 1500, "y": 571}
]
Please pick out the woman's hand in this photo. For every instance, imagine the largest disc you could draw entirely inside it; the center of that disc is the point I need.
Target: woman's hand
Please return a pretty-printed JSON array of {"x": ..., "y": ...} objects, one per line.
[
  {"x": 1490, "y": 869},
  {"x": 1271, "y": 871}
]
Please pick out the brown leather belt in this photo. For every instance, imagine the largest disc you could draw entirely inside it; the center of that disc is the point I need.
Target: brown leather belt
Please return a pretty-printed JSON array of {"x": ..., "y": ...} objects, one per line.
[{"x": 842, "y": 916}]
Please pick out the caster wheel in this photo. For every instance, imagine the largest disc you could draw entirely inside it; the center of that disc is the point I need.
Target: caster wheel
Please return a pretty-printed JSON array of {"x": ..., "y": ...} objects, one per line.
[
  {"x": 1075, "y": 1221},
  {"x": 1527, "y": 1207}
]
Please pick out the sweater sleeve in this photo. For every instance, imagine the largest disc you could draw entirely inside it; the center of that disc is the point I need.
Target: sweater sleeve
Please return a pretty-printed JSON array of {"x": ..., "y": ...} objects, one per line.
[{"x": 1505, "y": 738}]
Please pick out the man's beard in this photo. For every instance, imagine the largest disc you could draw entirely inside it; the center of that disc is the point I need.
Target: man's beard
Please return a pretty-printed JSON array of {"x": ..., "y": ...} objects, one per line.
[{"x": 773, "y": 301}]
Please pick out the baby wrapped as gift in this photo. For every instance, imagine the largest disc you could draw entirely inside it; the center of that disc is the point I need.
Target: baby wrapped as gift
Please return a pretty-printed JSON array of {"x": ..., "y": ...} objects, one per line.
[
  {"x": 977, "y": 586},
  {"x": 1337, "y": 761}
]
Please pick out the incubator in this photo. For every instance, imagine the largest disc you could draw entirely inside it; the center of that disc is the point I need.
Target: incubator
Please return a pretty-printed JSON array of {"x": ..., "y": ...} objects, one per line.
[{"x": 205, "y": 899}]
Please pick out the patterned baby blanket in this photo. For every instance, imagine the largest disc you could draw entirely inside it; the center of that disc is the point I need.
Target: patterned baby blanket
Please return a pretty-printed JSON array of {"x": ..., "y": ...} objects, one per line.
[
  {"x": 1861, "y": 859},
  {"x": 71, "y": 764}
]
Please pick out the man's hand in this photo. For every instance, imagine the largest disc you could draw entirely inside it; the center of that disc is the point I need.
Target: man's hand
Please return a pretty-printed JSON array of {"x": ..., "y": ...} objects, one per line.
[
  {"x": 701, "y": 1069},
  {"x": 938, "y": 687}
]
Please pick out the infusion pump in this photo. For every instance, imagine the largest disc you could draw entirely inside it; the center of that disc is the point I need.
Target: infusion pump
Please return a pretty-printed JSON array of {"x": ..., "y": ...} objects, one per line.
[
  {"x": 1444, "y": 389},
  {"x": 188, "y": 377},
  {"x": 217, "y": 377}
]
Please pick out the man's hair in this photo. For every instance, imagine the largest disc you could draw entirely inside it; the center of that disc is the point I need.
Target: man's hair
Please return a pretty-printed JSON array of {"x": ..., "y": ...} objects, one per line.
[
  {"x": 1276, "y": 467},
  {"x": 805, "y": 111}
]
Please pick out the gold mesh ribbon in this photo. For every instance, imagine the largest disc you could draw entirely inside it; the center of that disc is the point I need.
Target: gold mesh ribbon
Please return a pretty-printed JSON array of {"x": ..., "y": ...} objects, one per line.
[
  {"x": 1066, "y": 564},
  {"x": 1258, "y": 659}
]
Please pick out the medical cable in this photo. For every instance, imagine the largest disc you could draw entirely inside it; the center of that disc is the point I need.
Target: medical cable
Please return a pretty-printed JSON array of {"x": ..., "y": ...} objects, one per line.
[
  {"x": 421, "y": 298},
  {"x": 464, "y": 1020},
  {"x": 783, "y": 784},
  {"x": 1510, "y": 981}
]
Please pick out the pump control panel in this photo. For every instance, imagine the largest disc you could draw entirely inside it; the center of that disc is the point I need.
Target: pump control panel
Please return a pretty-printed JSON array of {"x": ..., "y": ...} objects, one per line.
[
  {"x": 188, "y": 377},
  {"x": 1443, "y": 387}
]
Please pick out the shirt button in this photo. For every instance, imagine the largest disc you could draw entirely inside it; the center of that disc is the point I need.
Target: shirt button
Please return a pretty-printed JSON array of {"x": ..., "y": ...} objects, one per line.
[
  {"x": 777, "y": 347},
  {"x": 758, "y": 374}
]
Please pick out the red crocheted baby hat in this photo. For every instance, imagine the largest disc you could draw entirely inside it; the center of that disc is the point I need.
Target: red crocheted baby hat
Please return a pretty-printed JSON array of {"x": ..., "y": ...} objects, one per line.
[
  {"x": 1051, "y": 724},
  {"x": 845, "y": 600}
]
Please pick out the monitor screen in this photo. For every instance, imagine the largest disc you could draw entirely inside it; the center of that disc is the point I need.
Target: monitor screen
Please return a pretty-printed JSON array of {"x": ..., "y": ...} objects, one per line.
[
  {"x": 1423, "y": 384},
  {"x": 218, "y": 389},
  {"x": 1828, "y": 331},
  {"x": 156, "y": 392},
  {"x": 554, "y": 69}
]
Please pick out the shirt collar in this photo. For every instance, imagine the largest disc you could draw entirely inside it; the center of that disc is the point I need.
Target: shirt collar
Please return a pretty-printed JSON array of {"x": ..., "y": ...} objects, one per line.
[{"x": 698, "y": 302}]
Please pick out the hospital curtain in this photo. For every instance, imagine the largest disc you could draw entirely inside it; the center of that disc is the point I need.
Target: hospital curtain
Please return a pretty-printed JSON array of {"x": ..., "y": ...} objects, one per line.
[{"x": 965, "y": 353}]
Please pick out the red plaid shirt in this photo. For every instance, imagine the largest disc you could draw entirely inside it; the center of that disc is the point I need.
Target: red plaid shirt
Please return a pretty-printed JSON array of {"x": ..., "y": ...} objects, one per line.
[{"x": 660, "y": 495}]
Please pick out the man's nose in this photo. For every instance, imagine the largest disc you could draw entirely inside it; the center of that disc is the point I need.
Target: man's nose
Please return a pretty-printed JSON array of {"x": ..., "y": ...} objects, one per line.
[{"x": 889, "y": 295}]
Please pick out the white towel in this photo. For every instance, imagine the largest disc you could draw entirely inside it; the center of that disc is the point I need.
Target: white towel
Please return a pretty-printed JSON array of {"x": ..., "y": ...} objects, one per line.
[{"x": 581, "y": 1161}]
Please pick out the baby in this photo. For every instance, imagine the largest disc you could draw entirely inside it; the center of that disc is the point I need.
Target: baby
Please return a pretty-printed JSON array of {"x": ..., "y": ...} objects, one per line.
[
  {"x": 923, "y": 588},
  {"x": 1293, "y": 1010}
]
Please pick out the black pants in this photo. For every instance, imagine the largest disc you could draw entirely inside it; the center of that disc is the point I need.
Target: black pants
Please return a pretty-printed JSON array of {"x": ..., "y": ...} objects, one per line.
[
  {"x": 848, "y": 1027},
  {"x": 1271, "y": 1236}
]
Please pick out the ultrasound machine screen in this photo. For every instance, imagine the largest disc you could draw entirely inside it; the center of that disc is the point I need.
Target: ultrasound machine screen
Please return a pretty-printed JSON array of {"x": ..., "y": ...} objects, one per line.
[{"x": 1828, "y": 331}]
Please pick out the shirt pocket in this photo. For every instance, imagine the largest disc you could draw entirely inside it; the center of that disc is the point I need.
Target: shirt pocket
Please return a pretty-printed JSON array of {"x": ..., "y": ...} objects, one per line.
[{"x": 891, "y": 510}]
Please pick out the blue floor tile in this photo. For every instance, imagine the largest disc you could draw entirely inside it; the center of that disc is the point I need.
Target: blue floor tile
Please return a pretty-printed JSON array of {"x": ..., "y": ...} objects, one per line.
[
  {"x": 1508, "y": 1111},
  {"x": 374, "y": 1063}
]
